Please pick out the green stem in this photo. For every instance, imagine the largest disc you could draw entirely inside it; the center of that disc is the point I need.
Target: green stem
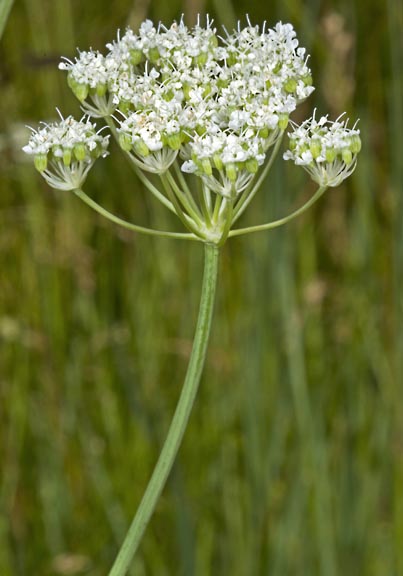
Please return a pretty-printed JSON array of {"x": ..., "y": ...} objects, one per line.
[
  {"x": 141, "y": 176},
  {"x": 185, "y": 198},
  {"x": 281, "y": 221},
  {"x": 150, "y": 186},
  {"x": 128, "y": 225},
  {"x": 186, "y": 220},
  {"x": 180, "y": 419}
]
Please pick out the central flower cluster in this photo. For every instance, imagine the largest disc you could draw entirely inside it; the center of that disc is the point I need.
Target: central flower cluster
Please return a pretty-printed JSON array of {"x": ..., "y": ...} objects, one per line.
[{"x": 218, "y": 102}]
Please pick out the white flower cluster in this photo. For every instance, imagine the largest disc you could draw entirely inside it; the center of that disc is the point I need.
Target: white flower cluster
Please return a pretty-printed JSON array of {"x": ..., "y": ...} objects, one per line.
[
  {"x": 236, "y": 157},
  {"x": 327, "y": 150},
  {"x": 175, "y": 85},
  {"x": 65, "y": 151}
]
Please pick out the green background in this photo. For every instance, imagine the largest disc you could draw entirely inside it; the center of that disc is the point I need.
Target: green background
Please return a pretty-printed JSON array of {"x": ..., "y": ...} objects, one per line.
[{"x": 293, "y": 460}]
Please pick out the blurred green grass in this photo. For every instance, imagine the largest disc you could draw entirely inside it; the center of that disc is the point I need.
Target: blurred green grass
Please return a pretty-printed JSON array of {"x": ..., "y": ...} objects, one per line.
[{"x": 293, "y": 461}]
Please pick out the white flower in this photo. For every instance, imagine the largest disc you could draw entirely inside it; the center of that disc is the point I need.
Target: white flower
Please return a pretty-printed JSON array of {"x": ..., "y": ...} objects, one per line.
[{"x": 327, "y": 150}]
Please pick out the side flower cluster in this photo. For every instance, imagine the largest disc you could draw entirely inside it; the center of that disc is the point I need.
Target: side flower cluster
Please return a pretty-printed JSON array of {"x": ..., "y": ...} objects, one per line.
[
  {"x": 327, "y": 150},
  {"x": 65, "y": 151}
]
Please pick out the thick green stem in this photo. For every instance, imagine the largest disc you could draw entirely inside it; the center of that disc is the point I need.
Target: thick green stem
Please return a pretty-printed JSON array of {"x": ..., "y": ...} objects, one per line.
[{"x": 180, "y": 419}]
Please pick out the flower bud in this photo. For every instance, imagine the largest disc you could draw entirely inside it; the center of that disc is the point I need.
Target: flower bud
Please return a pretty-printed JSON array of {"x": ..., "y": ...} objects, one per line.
[
  {"x": 153, "y": 55},
  {"x": 186, "y": 88},
  {"x": 40, "y": 162},
  {"x": 207, "y": 90},
  {"x": 347, "y": 156},
  {"x": 252, "y": 165},
  {"x": 206, "y": 167},
  {"x": 136, "y": 57},
  {"x": 290, "y": 86},
  {"x": 79, "y": 90},
  {"x": 174, "y": 141},
  {"x": 213, "y": 41},
  {"x": 125, "y": 142},
  {"x": 141, "y": 148},
  {"x": 67, "y": 156},
  {"x": 315, "y": 148},
  {"x": 80, "y": 152},
  {"x": 283, "y": 121},
  {"x": 200, "y": 59},
  {"x": 124, "y": 107},
  {"x": 355, "y": 146},
  {"x": 217, "y": 161},
  {"x": 222, "y": 82},
  {"x": 292, "y": 144},
  {"x": 330, "y": 155},
  {"x": 200, "y": 129},
  {"x": 232, "y": 59},
  {"x": 231, "y": 171},
  {"x": 101, "y": 90}
]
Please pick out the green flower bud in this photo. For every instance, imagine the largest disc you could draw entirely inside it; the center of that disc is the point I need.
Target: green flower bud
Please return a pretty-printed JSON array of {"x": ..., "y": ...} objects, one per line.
[
  {"x": 80, "y": 91},
  {"x": 315, "y": 148},
  {"x": 222, "y": 83},
  {"x": 217, "y": 161},
  {"x": 330, "y": 155},
  {"x": 264, "y": 133},
  {"x": 290, "y": 86},
  {"x": 252, "y": 165},
  {"x": 355, "y": 145},
  {"x": 174, "y": 141},
  {"x": 207, "y": 90},
  {"x": 206, "y": 167},
  {"x": 292, "y": 144},
  {"x": 186, "y": 91},
  {"x": 125, "y": 142},
  {"x": 80, "y": 152},
  {"x": 232, "y": 59},
  {"x": 200, "y": 130},
  {"x": 153, "y": 55},
  {"x": 307, "y": 80},
  {"x": 200, "y": 59},
  {"x": 136, "y": 57},
  {"x": 101, "y": 89},
  {"x": 347, "y": 156},
  {"x": 67, "y": 156},
  {"x": 124, "y": 107},
  {"x": 141, "y": 148},
  {"x": 213, "y": 41},
  {"x": 268, "y": 84},
  {"x": 168, "y": 96},
  {"x": 40, "y": 162},
  {"x": 231, "y": 172},
  {"x": 303, "y": 148},
  {"x": 283, "y": 121}
]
